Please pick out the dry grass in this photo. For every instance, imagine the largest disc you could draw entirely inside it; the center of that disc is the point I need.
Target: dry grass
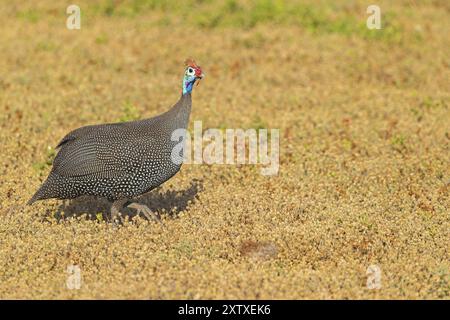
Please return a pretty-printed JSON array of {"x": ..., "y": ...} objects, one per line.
[{"x": 364, "y": 176}]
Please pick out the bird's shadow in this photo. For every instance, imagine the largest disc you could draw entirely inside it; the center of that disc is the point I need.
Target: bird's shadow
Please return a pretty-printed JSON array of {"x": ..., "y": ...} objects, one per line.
[{"x": 170, "y": 202}]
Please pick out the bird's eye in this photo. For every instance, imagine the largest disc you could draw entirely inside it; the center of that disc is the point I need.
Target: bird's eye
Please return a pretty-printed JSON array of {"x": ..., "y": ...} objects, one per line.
[{"x": 190, "y": 70}]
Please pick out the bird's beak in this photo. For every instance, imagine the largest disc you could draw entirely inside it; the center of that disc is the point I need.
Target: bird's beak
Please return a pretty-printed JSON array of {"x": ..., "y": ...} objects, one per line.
[{"x": 198, "y": 73}]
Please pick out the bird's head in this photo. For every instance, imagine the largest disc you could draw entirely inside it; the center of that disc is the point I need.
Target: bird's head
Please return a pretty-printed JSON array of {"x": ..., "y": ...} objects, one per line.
[{"x": 192, "y": 73}]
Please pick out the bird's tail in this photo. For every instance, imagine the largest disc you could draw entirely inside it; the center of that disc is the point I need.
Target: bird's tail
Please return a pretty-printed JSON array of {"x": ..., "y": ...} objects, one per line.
[
  {"x": 35, "y": 197},
  {"x": 41, "y": 194}
]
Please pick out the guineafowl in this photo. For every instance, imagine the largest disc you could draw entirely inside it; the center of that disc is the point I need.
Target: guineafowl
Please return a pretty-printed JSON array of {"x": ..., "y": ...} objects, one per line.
[{"x": 120, "y": 161}]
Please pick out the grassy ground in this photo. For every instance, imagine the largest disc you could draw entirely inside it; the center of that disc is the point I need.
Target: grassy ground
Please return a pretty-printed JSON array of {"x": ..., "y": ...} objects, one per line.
[{"x": 364, "y": 177}]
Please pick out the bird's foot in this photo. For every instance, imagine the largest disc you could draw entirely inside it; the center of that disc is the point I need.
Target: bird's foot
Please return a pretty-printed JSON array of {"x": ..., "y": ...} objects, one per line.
[
  {"x": 118, "y": 220},
  {"x": 116, "y": 216},
  {"x": 142, "y": 208}
]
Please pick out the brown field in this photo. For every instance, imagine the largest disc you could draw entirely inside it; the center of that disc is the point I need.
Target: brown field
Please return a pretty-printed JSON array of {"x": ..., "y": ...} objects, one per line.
[{"x": 364, "y": 124}]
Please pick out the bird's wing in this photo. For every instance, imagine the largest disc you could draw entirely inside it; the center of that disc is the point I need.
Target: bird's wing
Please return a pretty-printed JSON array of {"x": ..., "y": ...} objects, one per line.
[{"x": 104, "y": 151}]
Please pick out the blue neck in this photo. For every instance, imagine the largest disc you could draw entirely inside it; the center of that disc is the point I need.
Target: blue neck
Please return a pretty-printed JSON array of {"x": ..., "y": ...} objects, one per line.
[{"x": 188, "y": 84}]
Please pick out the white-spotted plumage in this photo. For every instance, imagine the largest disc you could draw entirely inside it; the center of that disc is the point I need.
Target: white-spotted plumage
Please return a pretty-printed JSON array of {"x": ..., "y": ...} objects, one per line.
[{"x": 119, "y": 160}]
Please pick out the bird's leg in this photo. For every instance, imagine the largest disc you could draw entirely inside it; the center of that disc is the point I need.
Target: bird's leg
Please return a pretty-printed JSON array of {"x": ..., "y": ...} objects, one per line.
[
  {"x": 115, "y": 210},
  {"x": 142, "y": 208}
]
